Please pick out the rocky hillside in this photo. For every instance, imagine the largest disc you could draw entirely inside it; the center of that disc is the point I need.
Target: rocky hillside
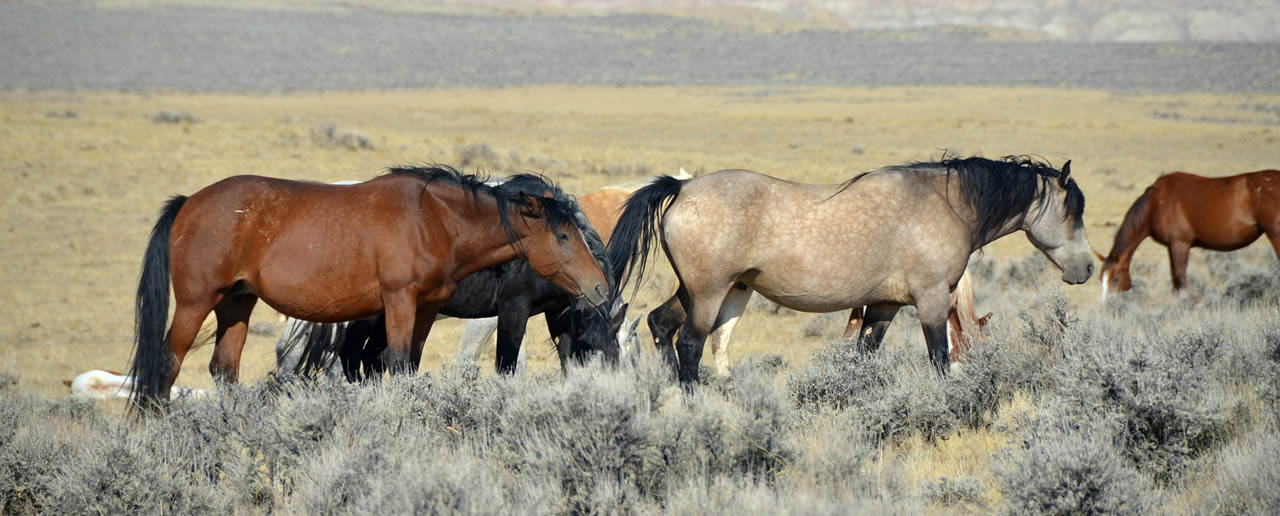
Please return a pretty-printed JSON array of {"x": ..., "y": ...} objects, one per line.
[{"x": 1072, "y": 20}]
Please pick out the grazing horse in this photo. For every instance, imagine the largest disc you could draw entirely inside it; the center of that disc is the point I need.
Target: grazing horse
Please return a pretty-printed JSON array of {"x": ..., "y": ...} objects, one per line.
[
  {"x": 601, "y": 208},
  {"x": 733, "y": 232},
  {"x": 509, "y": 293},
  {"x": 398, "y": 244},
  {"x": 1182, "y": 210}
]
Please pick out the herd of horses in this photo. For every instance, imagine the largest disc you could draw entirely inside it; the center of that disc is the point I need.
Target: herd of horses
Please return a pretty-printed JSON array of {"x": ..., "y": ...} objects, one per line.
[{"x": 365, "y": 269}]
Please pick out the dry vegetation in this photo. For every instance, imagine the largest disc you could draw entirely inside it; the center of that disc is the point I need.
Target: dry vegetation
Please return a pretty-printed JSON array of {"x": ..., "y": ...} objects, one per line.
[{"x": 1159, "y": 403}]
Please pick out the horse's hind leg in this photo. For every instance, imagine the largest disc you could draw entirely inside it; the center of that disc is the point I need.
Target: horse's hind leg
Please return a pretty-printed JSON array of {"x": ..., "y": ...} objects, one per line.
[
  {"x": 233, "y": 327},
  {"x": 730, "y": 311},
  {"x": 187, "y": 319},
  {"x": 875, "y": 322},
  {"x": 703, "y": 313},
  {"x": 664, "y": 321}
]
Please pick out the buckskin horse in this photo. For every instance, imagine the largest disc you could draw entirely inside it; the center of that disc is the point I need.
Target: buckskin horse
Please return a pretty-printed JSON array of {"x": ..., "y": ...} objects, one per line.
[
  {"x": 1181, "y": 211},
  {"x": 396, "y": 244},
  {"x": 733, "y": 232}
]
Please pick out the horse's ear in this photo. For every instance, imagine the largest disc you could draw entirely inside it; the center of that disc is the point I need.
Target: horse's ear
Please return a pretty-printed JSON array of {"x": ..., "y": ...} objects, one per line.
[
  {"x": 530, "y": 207},
  {"x": 1065, "y": 175},
  {"x": 618, "y": 308}
]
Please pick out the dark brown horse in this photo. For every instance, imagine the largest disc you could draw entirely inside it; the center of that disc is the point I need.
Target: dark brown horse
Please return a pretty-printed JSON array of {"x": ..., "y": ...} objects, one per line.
[
  {"x": 1182, "y": 210},
  {"x": 397, "y": 244}
]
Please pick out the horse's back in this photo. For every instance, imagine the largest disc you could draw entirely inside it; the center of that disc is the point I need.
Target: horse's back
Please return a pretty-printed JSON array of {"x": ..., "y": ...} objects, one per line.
[
  {"x": 1219, "y": 213},
  {"x": 603, "y": 207},
  {"x": 809, "y": 247},
  {"x": 285, "y": 239}
]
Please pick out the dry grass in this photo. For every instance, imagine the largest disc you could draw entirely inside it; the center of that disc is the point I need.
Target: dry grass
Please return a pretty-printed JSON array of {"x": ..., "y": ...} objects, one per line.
[{"x": 82, "y": 192}]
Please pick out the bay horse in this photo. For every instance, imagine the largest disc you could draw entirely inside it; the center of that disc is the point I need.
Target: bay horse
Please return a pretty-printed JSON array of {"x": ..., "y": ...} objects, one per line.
[
  {"x": 733, "y": 232},
  {"x": 1181, "y": 211},
  {"x": 398, "y": 244},
  {"x": 509, "y": 294}
]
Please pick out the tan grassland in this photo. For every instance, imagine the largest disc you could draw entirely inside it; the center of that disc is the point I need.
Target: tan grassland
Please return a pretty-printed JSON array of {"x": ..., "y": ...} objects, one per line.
[{"x": 81, "y": 193}]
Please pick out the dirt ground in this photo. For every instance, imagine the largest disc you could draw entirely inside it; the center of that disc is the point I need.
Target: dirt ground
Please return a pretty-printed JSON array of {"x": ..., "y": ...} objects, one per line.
[{"x": 86, "y": 173}]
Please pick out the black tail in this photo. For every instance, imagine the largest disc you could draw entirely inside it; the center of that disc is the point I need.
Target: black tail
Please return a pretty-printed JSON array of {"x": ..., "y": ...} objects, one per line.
[
  {"x": 153, "y": 361},
  {"x": 637, "y": 226},
  {"x": 356, "y": 344},
  {"x": 309, "y": 349}
]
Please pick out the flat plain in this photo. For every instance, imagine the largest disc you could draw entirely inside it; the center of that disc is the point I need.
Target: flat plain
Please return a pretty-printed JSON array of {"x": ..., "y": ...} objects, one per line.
[{"x": 85, "y": 189}]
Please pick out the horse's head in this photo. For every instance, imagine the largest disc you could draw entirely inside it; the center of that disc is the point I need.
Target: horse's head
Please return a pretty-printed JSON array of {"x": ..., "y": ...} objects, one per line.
[
  {"x": 1057, "y": 230},
  {"x": 554, "y": 242},
  {"x": 1115, "y": 276}
]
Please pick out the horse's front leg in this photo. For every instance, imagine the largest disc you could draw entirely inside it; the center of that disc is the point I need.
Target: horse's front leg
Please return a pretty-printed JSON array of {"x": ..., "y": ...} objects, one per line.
[
  {"x": 401, "y": 312},
  {"x": 512, "y": 320},
  {"x": 933, "y": 306},
  {"x": 421, "y": 328},
  {"x": 875, "y": 322},
  {"x": 1178, "y": 254}
]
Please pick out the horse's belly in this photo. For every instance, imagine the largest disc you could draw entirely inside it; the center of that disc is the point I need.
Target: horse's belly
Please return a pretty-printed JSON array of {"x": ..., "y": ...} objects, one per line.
[
  {"x": 814, "y": 298},
  {"x": 320, "y": 294}
]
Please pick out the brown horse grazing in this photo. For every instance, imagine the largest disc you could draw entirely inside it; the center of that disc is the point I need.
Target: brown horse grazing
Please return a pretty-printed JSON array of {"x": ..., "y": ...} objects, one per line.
[
  {"x": 735, "y": 232},
  {"x": 398, "y": 244},
  {"x": 1182, "y": 210}
]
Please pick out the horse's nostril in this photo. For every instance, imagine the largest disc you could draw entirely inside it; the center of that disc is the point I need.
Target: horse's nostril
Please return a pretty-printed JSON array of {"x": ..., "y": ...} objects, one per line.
[
  {"x": 1091, "y": 268},
  {"x": 600, "y": 290}
]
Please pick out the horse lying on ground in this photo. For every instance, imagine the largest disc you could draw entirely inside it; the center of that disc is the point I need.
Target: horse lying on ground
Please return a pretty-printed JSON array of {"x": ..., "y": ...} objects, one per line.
[
  {"x": 396, "y": 244},
  {"x": 733, "y": 232},
  {"x": 508, "y": 294},
  {"x": 105, "y": 385},
  {"x": 1181, "y": 211}
]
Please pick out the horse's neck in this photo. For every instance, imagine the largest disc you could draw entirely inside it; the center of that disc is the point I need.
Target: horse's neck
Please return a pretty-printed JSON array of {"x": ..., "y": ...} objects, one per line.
[
  {"x": 1135, "y": 228},
  {"x": 479, "y": 239}
]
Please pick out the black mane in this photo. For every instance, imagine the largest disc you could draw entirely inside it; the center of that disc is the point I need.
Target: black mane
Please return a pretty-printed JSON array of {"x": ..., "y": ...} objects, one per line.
[
  {"x": 565, "y": 208},
  {"x": 524, "y": 187},
  {"x": 1000, "y": 190}
]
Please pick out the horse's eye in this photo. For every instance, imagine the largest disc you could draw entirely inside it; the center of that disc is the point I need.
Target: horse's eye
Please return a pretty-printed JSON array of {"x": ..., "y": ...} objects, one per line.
[{"x": 562, "y": 237}]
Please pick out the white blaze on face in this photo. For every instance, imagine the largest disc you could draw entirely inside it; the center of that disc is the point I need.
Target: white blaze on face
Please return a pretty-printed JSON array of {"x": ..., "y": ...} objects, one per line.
[{"x": 1106, "y": 284}]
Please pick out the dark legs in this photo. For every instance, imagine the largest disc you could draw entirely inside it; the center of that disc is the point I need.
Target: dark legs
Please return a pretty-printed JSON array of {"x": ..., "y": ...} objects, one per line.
[
  {"x": 689, "y": 348},
  {"x": 1178, "y": 252},
  {"x": 935, "y": 335},
  {"x": 511, "y": 327},
  {"x": 664, "y": 322},
  {"x": 875, "y": 322},
  {"x": 233, "y": 327}
]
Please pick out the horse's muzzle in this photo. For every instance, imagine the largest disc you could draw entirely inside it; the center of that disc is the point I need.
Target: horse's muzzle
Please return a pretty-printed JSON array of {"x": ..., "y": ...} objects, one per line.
[
  {"x": 1079, "y": 274},
  {"x": 595, "y": 296}
]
